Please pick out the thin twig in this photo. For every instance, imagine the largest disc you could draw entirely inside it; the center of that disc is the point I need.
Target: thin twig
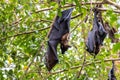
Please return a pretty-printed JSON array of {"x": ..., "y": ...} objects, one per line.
[
  {"x": 39, "y": 71},
  {"x": 16, "y": 22},
  {"x": 73, "y": 17},
  {"x": 105, "y": 9},
  {"x": 32, "y": 60},
  {"x": 112, "y": 3},
  {"x": 78, "y": 24},
  {"x": 29, "y": 32},
  {"x": 43, "y": 20},
  {"x": 79, "y": 73}
]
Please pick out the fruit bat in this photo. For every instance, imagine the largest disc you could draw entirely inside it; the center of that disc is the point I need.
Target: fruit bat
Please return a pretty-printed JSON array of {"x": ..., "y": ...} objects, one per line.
[
  {"x": 93, "y": 38},
  {"x": 58, "y": 35},
  {"x": 111, "y": 75},
  {"x": 111, "y": 32},
  {"x": 96, "y": 36},
  {"x": 102, "y": 31}
]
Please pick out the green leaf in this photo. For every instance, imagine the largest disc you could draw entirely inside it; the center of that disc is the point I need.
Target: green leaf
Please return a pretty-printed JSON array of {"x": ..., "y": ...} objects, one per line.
[
  {"x": 55, "y": 7},
  {"x": 116, "y": 47},
  {"x": 63, "y": 2},
  {"x": 59, "y": 12}
]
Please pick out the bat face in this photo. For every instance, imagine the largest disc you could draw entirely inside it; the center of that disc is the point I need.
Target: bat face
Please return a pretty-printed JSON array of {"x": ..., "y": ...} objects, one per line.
[
  {"x": 58, "y": 35},
  {"x": 64, "y": 43},
  {"x": 64, "y": 48}
]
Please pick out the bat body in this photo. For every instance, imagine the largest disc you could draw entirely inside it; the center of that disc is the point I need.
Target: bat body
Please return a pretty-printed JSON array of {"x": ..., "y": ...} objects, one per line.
[
  {"x": 96, "y": 36},
  {"x": 58, "y": 35},
  {"x": 102, "y": 32},
  {"x": 111, "y": 75},
  {"x": 93, "y": 38}
]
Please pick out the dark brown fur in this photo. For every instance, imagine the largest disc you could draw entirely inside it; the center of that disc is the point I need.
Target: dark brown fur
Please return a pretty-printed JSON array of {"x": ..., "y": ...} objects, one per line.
[{"x": 64, "y": 42}]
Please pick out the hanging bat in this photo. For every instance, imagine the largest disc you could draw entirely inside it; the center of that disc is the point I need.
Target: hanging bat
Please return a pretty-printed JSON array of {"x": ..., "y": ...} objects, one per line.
[
  {"x": 58, "y": 35},
  {"x": 111, "y": 75},
  {"x": 111, "y": 32},
  {"x": 96, "y": 36},
  {"x": 102, "y": 32},
  {"x": 93, "y": 39}
]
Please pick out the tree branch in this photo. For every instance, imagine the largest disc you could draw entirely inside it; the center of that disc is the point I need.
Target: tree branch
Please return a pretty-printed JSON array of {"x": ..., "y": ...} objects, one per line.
[
  {"x": 72, "y": 5},
  {"x": 105, "y": 9},
  {"x": 29, "y": 32},
  {"x": 112, "y": 3},
  {"x": 85, "y": 3},
  {"x": 75, "y": 67},
  {"x": 69, "y": 5}
]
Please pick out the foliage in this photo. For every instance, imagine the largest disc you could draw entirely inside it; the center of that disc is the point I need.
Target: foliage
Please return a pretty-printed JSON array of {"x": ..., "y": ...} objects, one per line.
[{"x": 24, "y": 25}]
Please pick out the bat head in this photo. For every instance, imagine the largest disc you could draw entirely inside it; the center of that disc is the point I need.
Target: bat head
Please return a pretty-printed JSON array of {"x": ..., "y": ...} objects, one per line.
[{"x": 64, "y": 48}]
